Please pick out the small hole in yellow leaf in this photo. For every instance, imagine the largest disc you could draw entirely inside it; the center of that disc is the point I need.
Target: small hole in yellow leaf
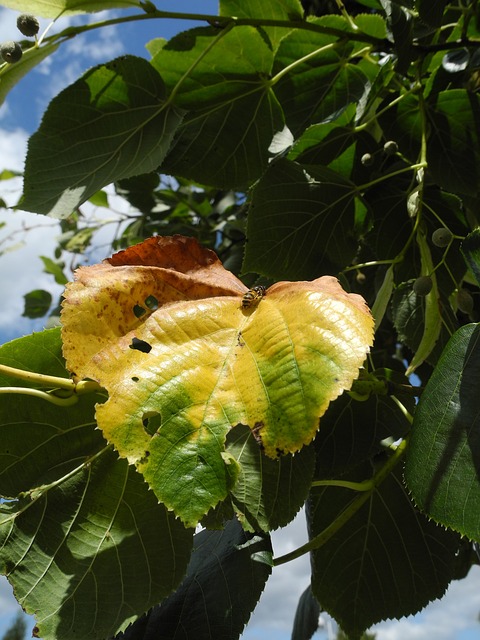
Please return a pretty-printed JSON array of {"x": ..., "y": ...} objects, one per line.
[
  {"x": 152, "y": 303},
  {"x": 140, "y": 345},
  {"x": 152, "y": 421},
  {"x": 138, "y": 311}
]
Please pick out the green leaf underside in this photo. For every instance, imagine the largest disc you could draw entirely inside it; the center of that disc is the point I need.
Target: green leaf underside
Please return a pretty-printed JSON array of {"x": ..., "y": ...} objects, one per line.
[
  {"x": 453, "y": 146},
  {"x": 268, "y": 493},
  {"x": 268, "y": 9},
  {"x": 321, "y": 85},
  {"x": 416, "y": 556},
  {"x": 227, "y": 65},
  {"x": 110, "y": 124},
  {"x": 53, "y": 8},
  {"x": 225, "y": 578},
  {"x": 353, "y": 431},
  {"x": 442, "y": 464},
  {"x": 300, "y": 222},
  {"x": 86, "y": 555},
  {"x": 211, "y": 147}
]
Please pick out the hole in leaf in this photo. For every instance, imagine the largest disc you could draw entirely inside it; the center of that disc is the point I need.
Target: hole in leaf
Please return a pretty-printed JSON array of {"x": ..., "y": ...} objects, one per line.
[
  {"x": 135, "y": 378},
  {"x": 140, "y": 345},
  {"x": 138, "y": 311},
  {"x": 152, "y": 421},
  {"x": 152, "y": 303}
]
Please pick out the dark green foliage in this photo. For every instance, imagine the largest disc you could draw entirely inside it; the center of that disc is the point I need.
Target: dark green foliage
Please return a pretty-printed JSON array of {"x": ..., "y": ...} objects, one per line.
[{"x": 297, "y": 139}]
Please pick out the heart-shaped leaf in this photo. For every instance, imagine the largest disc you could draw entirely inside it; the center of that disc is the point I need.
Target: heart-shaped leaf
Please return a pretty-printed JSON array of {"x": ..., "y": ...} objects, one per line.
[{"x": 184, "y": 358}]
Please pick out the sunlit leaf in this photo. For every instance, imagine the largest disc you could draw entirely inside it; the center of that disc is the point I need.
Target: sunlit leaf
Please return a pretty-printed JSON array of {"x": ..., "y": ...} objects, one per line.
[
  {"x": 84, "y": 543},
  {"x": 444, "y": 452},
  {"x": 110, "y": 124},
  {"x": 53, "y": 8},
  {"x": 181, "y": 374},
  {"x": 267, "y": 9}
]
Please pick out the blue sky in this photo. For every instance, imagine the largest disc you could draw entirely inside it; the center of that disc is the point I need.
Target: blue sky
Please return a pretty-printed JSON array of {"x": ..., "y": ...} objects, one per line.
[{"x": 455, "y": 617}]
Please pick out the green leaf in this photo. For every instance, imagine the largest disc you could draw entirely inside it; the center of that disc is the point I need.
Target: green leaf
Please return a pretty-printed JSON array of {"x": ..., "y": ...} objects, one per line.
[
  {"x": 224, "y": 581},
  {"x": 300, "y": 223},
  {"x": 55, "y": 268},
  {"x": 268, "y": 493},
  {"x": 55, "y": 8},
  {"x": 471, "y": 253},
  {"x": 325, "y": 82},
  {"x": 84, "y": 543},
  {"x": 387, "y": 561},
  {"x": 206, "y": 67},
  {"x": 383, "y": 297},
  {"x": 337, "y": 146},
  {"x": 372, "y": 24},
  {"x": 110, "y": 124},
  {"x": 307, "y": 615},
  {"x": 453, "y": 147},
  {"x": 444, "y": 453},
  {"x": 204, "y": 72},
  {"x": 432, "y": 319},
  {"x": 36, "y": 303},
  {"x": 10, "y": 74},
  {"x": 353, "y": 431},
  {"x": 212, "y": 148},
  {"x": 99, "y": 199},
  {"x": 268, "y": 10},
  {"x": 431, "y": 11}
]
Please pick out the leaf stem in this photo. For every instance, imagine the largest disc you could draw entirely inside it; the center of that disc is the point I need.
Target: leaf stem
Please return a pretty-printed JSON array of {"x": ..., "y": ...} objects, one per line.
[
  {"x": 43, "y": 395},
  {"x": 325, "y": 535},
  {"x": 224, "y": 21},
  {"x": 55, "y": 382},
  {"x": 38, "y": 378}
]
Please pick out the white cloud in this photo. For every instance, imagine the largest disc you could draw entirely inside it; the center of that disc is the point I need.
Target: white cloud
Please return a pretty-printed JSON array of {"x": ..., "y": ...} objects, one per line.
[{"x": 275, "y": 612}]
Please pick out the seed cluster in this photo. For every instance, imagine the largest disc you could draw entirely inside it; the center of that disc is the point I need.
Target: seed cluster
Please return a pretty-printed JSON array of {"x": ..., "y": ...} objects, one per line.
[{"x": 28, "y": 26}]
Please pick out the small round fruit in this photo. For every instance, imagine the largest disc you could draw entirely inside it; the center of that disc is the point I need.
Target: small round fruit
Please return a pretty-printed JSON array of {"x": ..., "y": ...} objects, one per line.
[
  {"x": 367, "y": 159},
  {"x": 28, "y": 25},
  {"x": 442, "y": 237},
  {"x": 464, "y": 301},
  {"x": 11, "y": 51},
  {"x": 423, "y": 285},
  {"x": 390, "y": 148}
]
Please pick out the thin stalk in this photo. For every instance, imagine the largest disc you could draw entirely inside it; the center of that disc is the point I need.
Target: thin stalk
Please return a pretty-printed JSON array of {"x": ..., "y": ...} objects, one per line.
[
  {"x": 43, "y": 395},
  {"x": 325, "y": 535},
  {"x": 38, "y": 378},
  {"x": 223, "y": 21}
]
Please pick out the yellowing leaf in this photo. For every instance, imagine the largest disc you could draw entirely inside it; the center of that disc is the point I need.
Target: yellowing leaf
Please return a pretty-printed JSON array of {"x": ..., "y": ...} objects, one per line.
[{"x": 181, "y": 375}]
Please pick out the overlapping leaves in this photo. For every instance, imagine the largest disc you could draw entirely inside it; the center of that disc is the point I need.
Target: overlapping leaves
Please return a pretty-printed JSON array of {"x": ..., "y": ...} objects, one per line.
[{"x": 84, "y": 543}]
